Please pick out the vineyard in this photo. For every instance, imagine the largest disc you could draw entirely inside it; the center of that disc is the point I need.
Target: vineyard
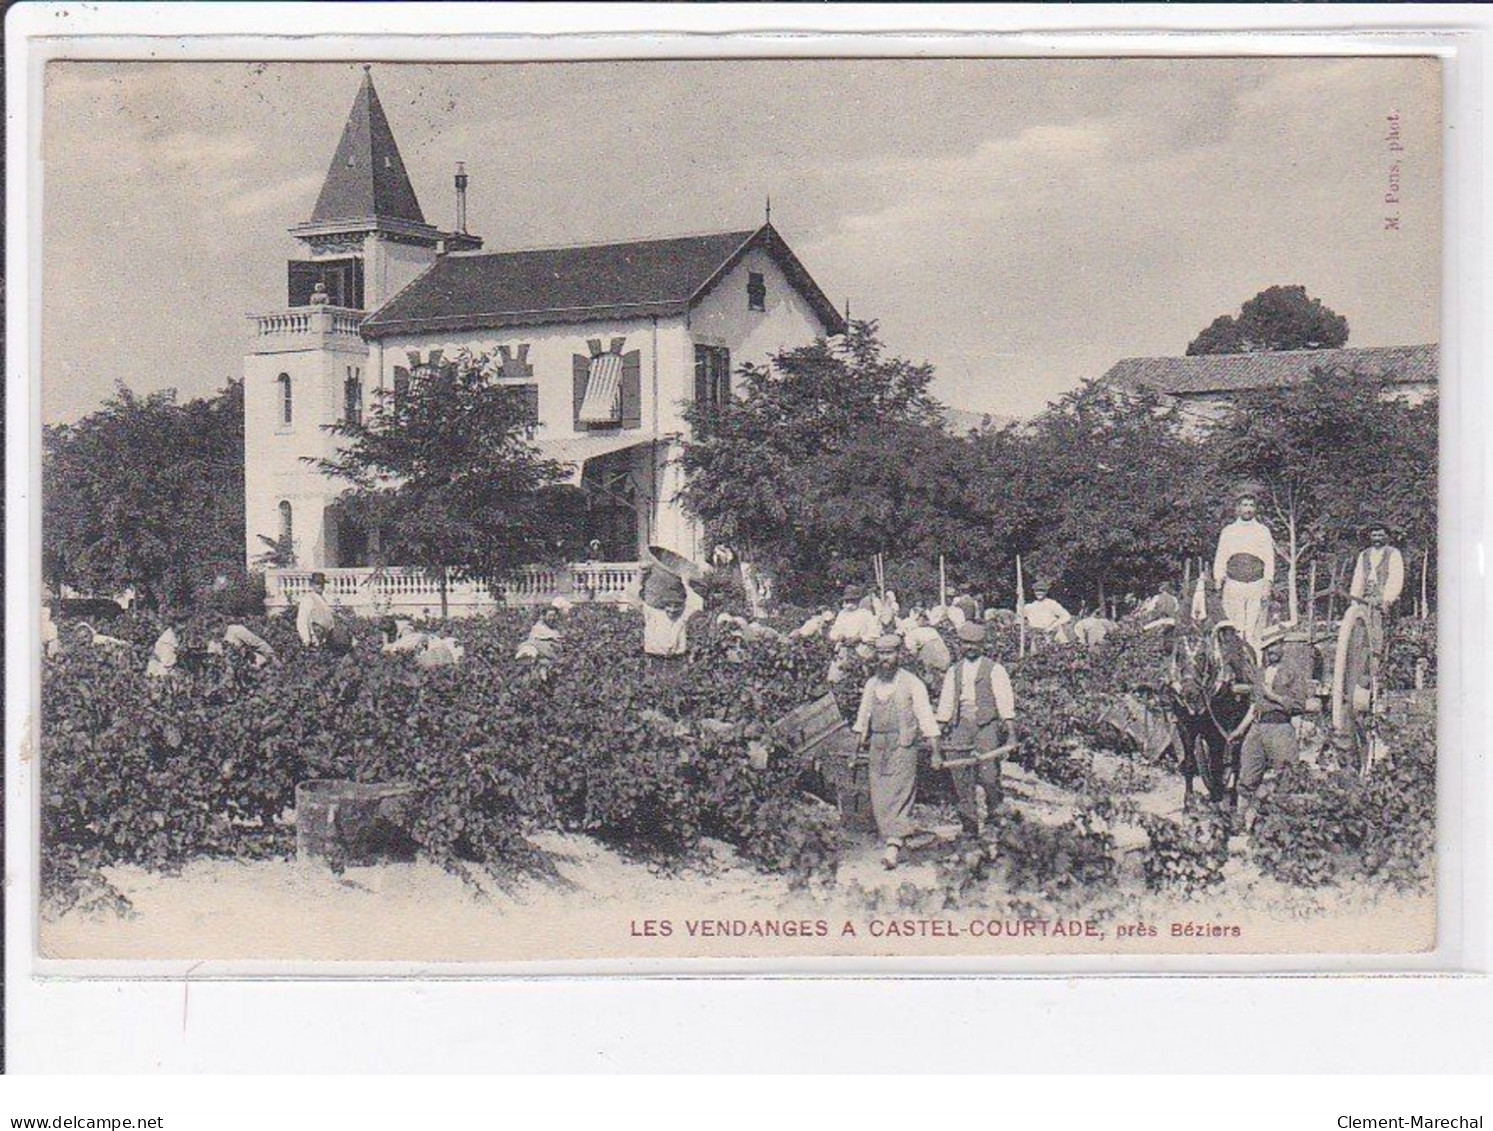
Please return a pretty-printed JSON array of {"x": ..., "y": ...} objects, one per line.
[{"x": 156, "y": 774}]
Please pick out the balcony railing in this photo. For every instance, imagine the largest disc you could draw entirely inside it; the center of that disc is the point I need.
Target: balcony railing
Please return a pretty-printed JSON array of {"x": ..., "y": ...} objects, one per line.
[
  {"x": 306, "y": 321},
  {"x": 371, "y": 591}
]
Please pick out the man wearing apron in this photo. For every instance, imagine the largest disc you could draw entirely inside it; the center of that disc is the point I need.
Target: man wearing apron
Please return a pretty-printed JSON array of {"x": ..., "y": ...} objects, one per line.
[
  {"x": 1243, "y": 569},
  {"x": 894, "y": 714},
  {"x": 979, "y": 707}
]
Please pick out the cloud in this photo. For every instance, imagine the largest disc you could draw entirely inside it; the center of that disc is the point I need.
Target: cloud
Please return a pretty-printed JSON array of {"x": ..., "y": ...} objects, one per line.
[{"x": 269, "y": 197}]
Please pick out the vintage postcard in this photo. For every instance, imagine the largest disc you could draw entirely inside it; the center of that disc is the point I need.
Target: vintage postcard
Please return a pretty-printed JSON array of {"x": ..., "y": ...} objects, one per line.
[{"x": 794, "y": 508}]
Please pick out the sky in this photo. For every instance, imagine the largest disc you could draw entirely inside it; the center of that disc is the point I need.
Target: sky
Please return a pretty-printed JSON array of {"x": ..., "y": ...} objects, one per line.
[{"x": 1020, "y": 224}]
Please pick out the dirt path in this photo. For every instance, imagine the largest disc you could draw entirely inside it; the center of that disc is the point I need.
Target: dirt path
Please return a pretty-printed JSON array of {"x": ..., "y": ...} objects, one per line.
[{"x": 602, "y": 905}]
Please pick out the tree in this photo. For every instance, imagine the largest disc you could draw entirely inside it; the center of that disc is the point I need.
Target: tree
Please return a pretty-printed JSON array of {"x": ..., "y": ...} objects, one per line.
[
  {"x": 446, "y": 473},
  {"x": 1112, "y": 491},
  {"x": 1333, "y": 455},
  {"x": 1278, "y": 318},
  {"x": 828, "y": 455},
  {"x": 146, "y": 493}
]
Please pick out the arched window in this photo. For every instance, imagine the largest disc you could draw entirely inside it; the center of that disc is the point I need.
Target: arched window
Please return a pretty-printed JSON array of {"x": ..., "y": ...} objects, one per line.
[
  {"x": 287, "y": 523},
  {"x": 285, "y": 399}
]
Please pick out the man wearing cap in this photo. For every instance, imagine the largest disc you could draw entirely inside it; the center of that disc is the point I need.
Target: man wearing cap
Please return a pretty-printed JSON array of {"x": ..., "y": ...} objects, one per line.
[
  {"x": 894, "y": 713},
  {"x": 1281, "y": 686},
  {"x": 1378, "y": 579},
  {"x": 979, "y": 708},
  {"x": 1243, "y": 569},
  {"x": 1045, "y": 617},
  {"x": 313, "y": 616}
]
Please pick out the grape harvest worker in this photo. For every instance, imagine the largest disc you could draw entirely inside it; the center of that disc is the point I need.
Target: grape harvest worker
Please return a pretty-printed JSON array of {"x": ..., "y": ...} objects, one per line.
[
  {"x": 543, "y": 641},
  {"x": 1045, "y": 616},
  {"x": 669, "y": 602},
  {"x": 894, "y": 714},
  {"x": 241, "y": 639},
  {"x": 978, "y": 706},
  {"x": 313, "y": 615},
  {"x": 924, "y": 643},
  {"x": 853, "y": 624},
  {"x": 1244, "y": 567},
  {"x": 1378, "y": 576},
  {"x": 428, "y": 649},
  {"x": 1280, "y": 686}
]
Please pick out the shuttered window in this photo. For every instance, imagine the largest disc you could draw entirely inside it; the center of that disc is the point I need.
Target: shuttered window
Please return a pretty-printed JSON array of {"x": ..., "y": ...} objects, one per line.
[
  {"x": 608, "y": 390},
  {"x": 602, "y": 403},
  {"x": 352, "y": 396},
  {"x": 712, "y": 376}
]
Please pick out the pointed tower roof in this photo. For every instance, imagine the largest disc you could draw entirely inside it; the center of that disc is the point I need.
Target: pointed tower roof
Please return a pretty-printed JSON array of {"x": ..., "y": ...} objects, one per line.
[{"x": 367, "y": 179}]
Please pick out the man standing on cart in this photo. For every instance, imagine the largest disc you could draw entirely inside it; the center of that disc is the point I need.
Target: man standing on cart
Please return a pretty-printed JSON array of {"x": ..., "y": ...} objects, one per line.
[
  {"x": 1244, "y": 568},
  {"x": 979, "y": 708},
  {"x": 1378, "y": 579}
]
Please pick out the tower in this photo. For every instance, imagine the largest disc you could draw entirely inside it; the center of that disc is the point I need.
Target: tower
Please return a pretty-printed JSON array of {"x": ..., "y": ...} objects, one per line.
[{"x": 308, "y": 364}]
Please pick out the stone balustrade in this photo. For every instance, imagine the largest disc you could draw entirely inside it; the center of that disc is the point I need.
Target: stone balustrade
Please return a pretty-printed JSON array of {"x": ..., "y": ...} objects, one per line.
[
  {"x": 392, "y": 591},
  {"x": 306, "y": 321}
]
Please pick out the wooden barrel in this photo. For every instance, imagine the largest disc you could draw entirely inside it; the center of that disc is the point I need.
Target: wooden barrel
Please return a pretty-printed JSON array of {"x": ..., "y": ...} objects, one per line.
[{"x": 355, "y": 822}]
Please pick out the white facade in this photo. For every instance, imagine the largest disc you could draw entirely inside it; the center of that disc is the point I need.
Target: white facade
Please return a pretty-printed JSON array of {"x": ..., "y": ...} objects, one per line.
[{"x": 736, "y": 299}]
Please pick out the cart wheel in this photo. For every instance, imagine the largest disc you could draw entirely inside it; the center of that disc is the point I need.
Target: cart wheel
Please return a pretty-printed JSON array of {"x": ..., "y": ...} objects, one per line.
[{"x": 1353, "y": 690}]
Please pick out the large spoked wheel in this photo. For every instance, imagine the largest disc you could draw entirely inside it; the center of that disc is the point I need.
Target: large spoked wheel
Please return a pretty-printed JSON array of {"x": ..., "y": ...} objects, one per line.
[{"x": 1354, "y": 684}]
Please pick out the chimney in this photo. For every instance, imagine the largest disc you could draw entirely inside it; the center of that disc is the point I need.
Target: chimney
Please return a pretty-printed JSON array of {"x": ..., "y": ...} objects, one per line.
[{"x": 461, "y": 197}]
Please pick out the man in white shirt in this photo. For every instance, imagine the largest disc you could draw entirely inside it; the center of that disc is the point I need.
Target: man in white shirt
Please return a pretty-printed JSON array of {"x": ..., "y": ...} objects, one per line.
[
  {"x": 428, "y": 649},
  {"x": 1243, "y": 569},
  {"x": 666, "y": 626},
  {"x": 1045, "y": 617},
  {"x": 894, "y": 713},
  {"x": 1379, "y": 574},
  {"x": 313, "y": 615},
  {"x": 854, "y": 624},
  {"x": 1378, "y": 578},
  {"x": 978, "y": 706},
  {"x": 925, "y": 644}
]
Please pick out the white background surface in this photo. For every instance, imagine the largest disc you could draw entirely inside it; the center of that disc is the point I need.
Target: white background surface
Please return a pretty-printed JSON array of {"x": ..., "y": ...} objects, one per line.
[{"x": 1194, "y": 1024}]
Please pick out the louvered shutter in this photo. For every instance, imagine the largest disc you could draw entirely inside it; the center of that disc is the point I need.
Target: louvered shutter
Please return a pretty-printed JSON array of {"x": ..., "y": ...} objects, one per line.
[
  {"x": 580, "y": 366},
  {"x": 632, "y": 390},
  {"x": 531, "y": 402}
]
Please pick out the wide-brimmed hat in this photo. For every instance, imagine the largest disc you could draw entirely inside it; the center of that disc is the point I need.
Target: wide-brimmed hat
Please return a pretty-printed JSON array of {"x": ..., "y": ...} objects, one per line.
[
  {"x": 675, "y": 563},
  {"x": 972, "y": 632},
  {"x": 1284, "y": 633}
]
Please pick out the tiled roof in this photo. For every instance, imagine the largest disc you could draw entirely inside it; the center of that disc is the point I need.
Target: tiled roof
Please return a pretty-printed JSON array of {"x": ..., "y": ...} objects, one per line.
[
  {"x": 589, "y": 283},
  {"x": 367, "y": 179},
  {"x": 1224, "y": 373}
]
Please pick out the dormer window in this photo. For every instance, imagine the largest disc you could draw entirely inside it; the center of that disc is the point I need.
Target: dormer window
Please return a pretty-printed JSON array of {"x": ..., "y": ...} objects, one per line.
[{"x": 756, "y": 291}]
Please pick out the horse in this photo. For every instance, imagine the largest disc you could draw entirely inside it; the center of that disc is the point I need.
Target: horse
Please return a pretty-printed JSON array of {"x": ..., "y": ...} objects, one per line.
[{"x": 1207, "y": 661}]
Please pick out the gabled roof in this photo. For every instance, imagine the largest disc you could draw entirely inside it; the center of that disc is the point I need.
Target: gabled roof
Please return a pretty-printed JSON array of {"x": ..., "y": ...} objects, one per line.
[
  {"x": 367, "y": 179},
  {"x": 577, "y": 284},
  {"x": 1233, "y": 372}
]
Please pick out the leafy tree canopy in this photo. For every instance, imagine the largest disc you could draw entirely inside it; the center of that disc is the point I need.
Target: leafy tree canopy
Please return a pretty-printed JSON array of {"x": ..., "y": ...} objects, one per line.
[
  {"x": 447, "y": 474},
  {"x": 1333, "y": 454},
  {"x": 1278, "y": 318},
  {"x": 146, "y": 493}
]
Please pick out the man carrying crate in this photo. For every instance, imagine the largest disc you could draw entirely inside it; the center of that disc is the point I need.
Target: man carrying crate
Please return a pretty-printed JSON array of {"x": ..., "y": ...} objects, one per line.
[{"x": 979, "y": 708}]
